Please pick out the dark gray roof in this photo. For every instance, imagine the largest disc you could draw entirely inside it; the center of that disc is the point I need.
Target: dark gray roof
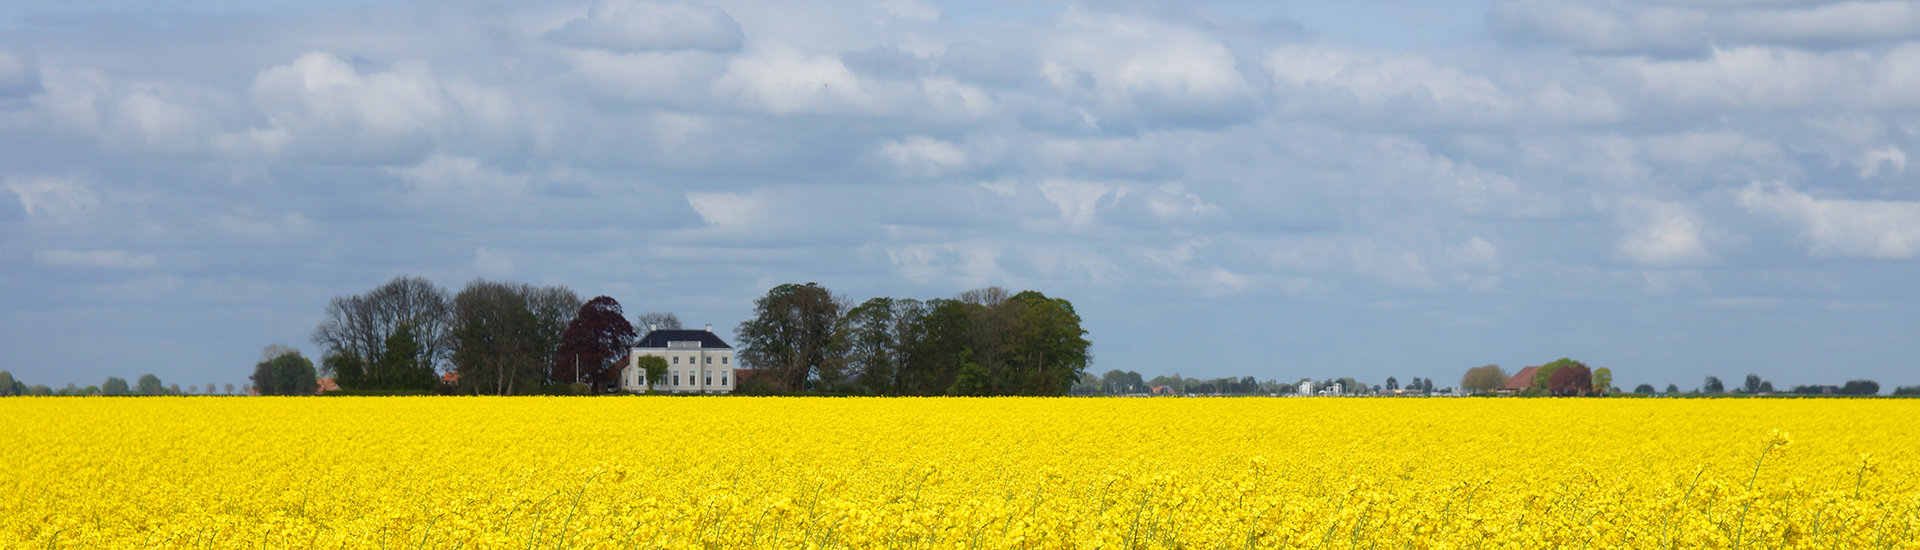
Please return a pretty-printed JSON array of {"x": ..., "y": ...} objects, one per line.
[{"x": 659, "y": 339}]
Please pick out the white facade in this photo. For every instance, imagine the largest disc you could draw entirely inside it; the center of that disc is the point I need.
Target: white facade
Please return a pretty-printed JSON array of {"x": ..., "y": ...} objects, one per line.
[{"x": 691, "y": 368}]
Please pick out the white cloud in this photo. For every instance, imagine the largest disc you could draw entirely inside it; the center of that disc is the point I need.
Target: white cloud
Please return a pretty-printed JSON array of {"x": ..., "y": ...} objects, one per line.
[
  {"x": 912, "y": 9},
  {"x": 19, "y": 75},
  {"x": 962, "y": 265},
  {"x": 441, "y": 173},
  {"x": 735, "y": 213},
  {"x": 1174, "y": 201},
  {"x": 1871, "y": 162},
  {"x": 921, "y": 156},
  {"x": 158, "y": 123},
  {"x": 53, "y": 198},
  {"x": 1841, "y": 227},
  {"x": 104, "y": 259},
  {"x": 1144, "y": 70},
  {"x": 1315, "y": 79},
  {"x": 1662, "y": 233},
  {"x": 1078, "y": 201},
  {"x": 641, "y": 25},
  {"x": 1678, "y": 27},
  {"x": 1772, "y": 77},
  {"x": 492, "y": 263},
  {"x": 319, "y": 105},
  {"x": 785, "y": 81},
  {"x": 1400, "y": 267}
]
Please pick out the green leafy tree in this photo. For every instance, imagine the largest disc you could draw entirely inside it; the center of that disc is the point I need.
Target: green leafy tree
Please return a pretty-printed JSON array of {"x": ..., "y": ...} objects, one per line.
[
  {"x": 1860, "y": 387},
  {"x": 791, "y": 336},
  {"x": 653, "y": 368},
  {"x": 1713, "y": 385},
  {"x": 973, "y": 378},
  {"x": 1644, "y": 389},
  {"x": 404, "y": 363},
  {"x": 1752, "y": 384},
  {"x": 1543, "y": 378},
  {"x": 9, "y": 386},
  {"x": 869, "y": 337},
  {"x": 1602, "y": 380},
  {"x": 1048, "y": 350},
  {"x": 288, "y": 374},
  {"x": 150, "y": 385},
  {"x": 114, "y": 386},
  {"x": 1672, "y": 389}
]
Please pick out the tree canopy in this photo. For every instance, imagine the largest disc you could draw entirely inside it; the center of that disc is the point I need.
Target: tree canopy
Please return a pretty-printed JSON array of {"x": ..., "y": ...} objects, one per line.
[
  {"x": 288, "y": 374},
  {"x": 594, "y": 344},
  {"x": 1483, "y": 378}
]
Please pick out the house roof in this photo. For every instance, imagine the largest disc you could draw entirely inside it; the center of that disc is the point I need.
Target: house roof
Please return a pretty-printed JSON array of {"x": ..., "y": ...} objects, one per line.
[
  {"x": 325, "y": 385},
  {"x": 1521, "y": 380},
  {"x": 659, "y": 339}
]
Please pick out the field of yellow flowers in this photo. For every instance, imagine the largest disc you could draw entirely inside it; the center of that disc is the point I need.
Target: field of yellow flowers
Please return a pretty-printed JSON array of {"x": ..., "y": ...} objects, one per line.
[{"x": 725, "y": 472}]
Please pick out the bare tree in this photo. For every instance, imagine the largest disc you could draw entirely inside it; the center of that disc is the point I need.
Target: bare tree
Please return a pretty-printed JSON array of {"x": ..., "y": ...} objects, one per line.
[
  {"x": 504, "y": 336},
  {"x": 358, "y": 326},
  {"x": 655, "y": 320}
]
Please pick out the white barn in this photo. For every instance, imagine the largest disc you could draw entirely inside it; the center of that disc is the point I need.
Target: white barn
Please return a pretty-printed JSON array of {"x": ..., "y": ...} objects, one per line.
[{"x": 697, "y": 362}]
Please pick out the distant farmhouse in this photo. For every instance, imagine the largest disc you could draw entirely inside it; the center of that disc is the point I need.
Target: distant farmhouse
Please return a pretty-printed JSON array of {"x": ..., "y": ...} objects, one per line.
[
  {"x": 1519, "y": 382},
  {"x": 697, "y": 362}
]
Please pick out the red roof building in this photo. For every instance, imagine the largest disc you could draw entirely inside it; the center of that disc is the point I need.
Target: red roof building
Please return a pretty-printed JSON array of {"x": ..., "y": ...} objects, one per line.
[{"x": 1519, "y": 382}]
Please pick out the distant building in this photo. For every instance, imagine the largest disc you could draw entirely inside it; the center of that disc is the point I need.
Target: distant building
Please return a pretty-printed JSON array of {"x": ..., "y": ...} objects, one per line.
[
  {"x": 1519, "y": 382},
  {"x": 326, "y": 385},
  {"x": 697, "y": 362}
]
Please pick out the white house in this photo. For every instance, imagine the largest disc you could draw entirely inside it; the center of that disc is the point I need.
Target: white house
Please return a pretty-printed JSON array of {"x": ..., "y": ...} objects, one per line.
[{"x": 697, "y": 362}]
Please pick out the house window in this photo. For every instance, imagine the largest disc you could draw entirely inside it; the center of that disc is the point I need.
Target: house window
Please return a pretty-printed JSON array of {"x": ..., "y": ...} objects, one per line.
[
  {"x": 676, "y": 380},
  {"x": 709, "y": 360},
  {"x": 723, "y": 360},
  {"x": 709, "y": 379},
  {"x": 723, "y": 380},
  {"x": 676, "y": 360}
]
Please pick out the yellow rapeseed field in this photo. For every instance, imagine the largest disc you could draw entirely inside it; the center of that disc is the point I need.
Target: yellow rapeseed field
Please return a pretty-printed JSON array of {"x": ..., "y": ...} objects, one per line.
[{"x": 724, "y": 472}]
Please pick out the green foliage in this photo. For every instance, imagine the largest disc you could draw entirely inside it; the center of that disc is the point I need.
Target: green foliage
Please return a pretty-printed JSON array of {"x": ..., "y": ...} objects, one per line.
[
  {"x": 653, "y": 367},
  {"x": 1907, "y": 391},
  {"x": 1860, "y": 387},
  {"x": 113, "y": 386},
  {"x": 1644, "y": 389},
  {"x": 150, "y": 385},
  {"x": 1544, "y": 376},
  {"x": 287, "y": 374},
  {"x": 1602, "y": 380},
  {"x": 9, "y": 386},
  {"x": 973, "y": 379}
]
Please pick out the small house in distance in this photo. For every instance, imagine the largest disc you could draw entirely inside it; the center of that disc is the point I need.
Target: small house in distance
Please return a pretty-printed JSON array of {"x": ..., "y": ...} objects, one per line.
[
  {"x": 1519, "y": 382},
  {"x": 697, "y": 362}
]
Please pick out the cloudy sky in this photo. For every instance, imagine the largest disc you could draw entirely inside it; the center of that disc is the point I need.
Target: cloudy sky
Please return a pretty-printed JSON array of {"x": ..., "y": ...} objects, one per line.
[{"x": 1367, "y": 188}]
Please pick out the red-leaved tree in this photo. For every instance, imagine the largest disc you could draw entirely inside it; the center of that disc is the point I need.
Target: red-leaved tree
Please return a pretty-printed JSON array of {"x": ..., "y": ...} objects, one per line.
[
  {"x": 1573, "y": 379},
  {"x": 594, "y": 344}
]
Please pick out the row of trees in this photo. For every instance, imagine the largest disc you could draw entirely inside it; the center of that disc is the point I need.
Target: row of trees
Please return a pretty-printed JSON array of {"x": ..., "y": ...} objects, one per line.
[
  {"x": 147, "y": 384},
  {"x": 500, "y": 338},
  {"x": 803, "y": 337}
]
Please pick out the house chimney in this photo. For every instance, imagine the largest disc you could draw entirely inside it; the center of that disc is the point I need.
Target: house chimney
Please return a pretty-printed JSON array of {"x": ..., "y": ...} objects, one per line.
[
  {"x": 652, "y": 327},
  {"x": 709, "y": 327}
]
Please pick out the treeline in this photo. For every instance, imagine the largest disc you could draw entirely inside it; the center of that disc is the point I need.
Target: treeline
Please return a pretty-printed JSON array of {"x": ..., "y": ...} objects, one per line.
[
  {"x": 804, "y": 338},
  {"x": 495, "y": 337},
  {"x": 147, "y": 384}
]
